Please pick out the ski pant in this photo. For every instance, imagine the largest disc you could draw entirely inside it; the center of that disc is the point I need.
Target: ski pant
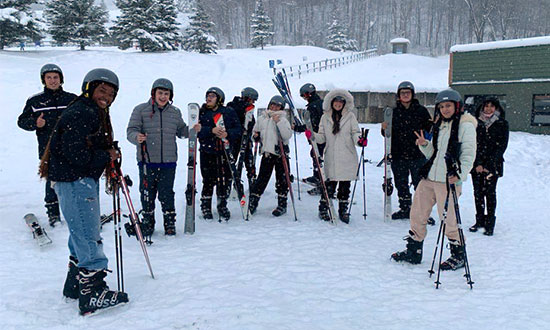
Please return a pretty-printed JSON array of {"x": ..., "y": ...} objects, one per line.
[
  {"x": 343, "y": 189},
  {"x": 79, "y": 201},
  {"x": 427, "y": 194},
  {"x": 321, "y": 148},
  {"x": 270, "y": 161},
  {"x": 215, "y": 172},
  {"x": 485, "y": 193},
  {"x": 401, "y": 169},
  {"x": 158, "y": 181},
  {"x": 50, "y": 200}
]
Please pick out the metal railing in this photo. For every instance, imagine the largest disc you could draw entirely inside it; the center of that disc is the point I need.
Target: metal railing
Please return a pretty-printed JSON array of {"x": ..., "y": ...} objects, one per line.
[{"x": 330, "y": 63}]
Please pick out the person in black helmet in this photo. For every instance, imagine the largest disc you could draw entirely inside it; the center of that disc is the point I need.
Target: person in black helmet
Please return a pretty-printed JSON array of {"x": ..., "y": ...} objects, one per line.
[
  {"x": 492, "y": 141},
  {"x": 244, "y": 107},
  {"x": 406, "y": 159},
  {"x": 315, "y": 108},
  {"x": 153, "y": 128},
  {"x": 450, "y": 153},
  {"x": 267, "y": 128},
  {"x": 40, "y": 114},
  {"x": 218, "y": 125},
  {"x": 80, "y": 150}
]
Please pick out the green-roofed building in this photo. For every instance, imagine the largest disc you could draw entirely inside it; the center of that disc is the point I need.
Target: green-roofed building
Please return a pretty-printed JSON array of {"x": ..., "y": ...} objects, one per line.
[{"x": 516, "y": 71}]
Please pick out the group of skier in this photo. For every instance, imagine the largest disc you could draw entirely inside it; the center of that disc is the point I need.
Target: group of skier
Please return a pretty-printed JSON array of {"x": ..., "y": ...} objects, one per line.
[{"x": 76, "y": 148}]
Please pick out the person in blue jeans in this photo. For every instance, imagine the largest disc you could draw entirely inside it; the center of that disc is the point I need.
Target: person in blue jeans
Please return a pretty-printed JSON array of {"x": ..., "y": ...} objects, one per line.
[{"x": 80, "y": 150}]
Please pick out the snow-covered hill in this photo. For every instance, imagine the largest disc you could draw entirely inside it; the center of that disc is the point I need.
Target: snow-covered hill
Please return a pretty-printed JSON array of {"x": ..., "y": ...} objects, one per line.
[{"x": 270, "y": 273}]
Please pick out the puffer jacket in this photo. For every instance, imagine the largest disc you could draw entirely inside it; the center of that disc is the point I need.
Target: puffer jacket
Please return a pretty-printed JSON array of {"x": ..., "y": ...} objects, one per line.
[
  {"x": 209, "y": 143},
  {"x": 492, "y": 142},
  {"x": 340, "y": 154},
  {"x": 467, "y": 141},
  {"x": 268, "y": 130},
  {"x": 162, "y": 126},
  {"x": 49, "y": 103}
]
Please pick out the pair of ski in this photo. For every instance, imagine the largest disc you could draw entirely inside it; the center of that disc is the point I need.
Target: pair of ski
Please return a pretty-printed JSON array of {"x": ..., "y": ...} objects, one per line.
[{"x": 281, "y": 82}]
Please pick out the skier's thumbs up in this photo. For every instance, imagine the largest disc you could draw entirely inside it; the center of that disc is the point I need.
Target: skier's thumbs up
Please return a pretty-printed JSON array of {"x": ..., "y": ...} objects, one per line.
[{"x": 40, "y": 122}]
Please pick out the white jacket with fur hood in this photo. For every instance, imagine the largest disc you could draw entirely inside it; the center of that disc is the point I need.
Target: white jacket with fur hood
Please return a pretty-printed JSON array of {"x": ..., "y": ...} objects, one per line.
[
  {"x": 340, "y": 155},
  {"x": 267, "y": 128}
]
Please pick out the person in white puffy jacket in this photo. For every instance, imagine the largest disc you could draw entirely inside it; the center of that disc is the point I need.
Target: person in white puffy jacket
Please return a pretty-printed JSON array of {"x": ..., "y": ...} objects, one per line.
[
  {"x": 271, "y": 127},
  {"x": 339, "y": 129},
  {"x": 454, "y": 138}
]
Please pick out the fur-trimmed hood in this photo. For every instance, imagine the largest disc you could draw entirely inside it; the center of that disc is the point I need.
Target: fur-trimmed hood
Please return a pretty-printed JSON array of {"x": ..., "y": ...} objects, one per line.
[
  {"x": 468, "y": 118},
  {"x": 349, "y": 106}
]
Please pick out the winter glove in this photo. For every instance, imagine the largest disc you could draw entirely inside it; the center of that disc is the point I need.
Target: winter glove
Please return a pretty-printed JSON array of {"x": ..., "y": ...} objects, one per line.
[
  {"x": 308, "y": 134},
  {"x": 300, "y": 128},
  {"x": 256, "y": 137},
  {"x": 363, "y": 141}
]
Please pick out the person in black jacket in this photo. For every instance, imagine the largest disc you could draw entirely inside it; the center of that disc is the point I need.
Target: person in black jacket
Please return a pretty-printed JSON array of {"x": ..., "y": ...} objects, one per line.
[
  {"x": 244, "y": 107},
  {"x": 406, "y": 159},
  {"x": 40, "y": 114},
  {"x": 80, "y": 150},
  {"x": 218, "y": 125},
  {"x": 315, "y": 108},
  {"x": 492, "y": 140}
]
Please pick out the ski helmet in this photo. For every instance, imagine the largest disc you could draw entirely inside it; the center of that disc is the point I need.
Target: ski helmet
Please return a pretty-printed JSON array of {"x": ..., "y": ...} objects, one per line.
[
  {"x": 249, "y": 92},
  {"x": 50, "y": 68},
  {"x": 308, "y": 88},
  {"x": 218, "y": 92},
  {"x": 449, "y": 95},
  {"x": 99, "y": 75},
  {"x": 163, "y": 83},
  {"x": 405, "y": 85},
  {"x": 277, "y": 99}
]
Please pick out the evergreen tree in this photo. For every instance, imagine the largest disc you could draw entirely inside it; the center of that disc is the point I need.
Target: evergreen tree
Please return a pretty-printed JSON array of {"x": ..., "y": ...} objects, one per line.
[
  {"x": 152, "y": 23},
  {"x": 17, "y": 22},
  {"x": 260, "y": 24},
  {"x": 337, "y": 39},
  {"x": 198, "y": 35},
  {"x": 78, "y": 21}
]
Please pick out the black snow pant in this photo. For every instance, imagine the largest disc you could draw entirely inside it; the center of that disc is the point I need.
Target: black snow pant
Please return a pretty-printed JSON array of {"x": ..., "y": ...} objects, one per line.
[
  {"x": 401, "y": 169},
  {"x": 215, "y": 172},
  {"x": 158, "y": 181},
  {"x": 270, "y": 161},
  {"x": 485, "y": 194},
  {"x": 321, "y": 148},
  {"x": 248, "y": 162},
  {"x": 343, "y": 189},
  {"x": 50, "y": 201}
]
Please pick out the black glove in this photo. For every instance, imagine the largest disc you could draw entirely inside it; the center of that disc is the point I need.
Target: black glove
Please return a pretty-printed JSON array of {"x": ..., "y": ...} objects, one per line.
[
  {"x": 300, "y": 128},
  {"x": 256, "y": 137}
]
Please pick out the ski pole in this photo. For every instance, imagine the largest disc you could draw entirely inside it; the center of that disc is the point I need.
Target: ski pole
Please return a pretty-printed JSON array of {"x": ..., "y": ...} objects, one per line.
[
  {"x": 439, "y": 235},
  {"x": 467, "y": 273},
  {"x": 297, "y": 172},
  {"x": 361, "y": 161},
  {"x": 118, "y": 238}
]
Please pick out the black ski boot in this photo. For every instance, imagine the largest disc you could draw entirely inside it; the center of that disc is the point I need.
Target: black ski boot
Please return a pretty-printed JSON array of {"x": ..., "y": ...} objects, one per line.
[
  {"x": 343, "y": 211},
  {"x": 253, "y": 203},
  {"x": 70, "y": 289},
  {"x": 315, "y": 191},
  {"x": 170, "y": 223},
  {"x": 94, "y": 294},
  {"x": 402, "y": 214},
  {"x": 480, "y": 223},
  {"x": 312, "y": 180},
  {"x": 223, "y": 211},
  {"x": 323, "y": 210},
  {"x": 413, "y": 253},
  {"x": 490, "y": 225},
  {"x": 52, "y": 209},
  {"x": 206, "y": 208},
  {"x": 281, "y": 206},
  {"x": 147, "y": 223},
  {"x": 456, "y": 260}
]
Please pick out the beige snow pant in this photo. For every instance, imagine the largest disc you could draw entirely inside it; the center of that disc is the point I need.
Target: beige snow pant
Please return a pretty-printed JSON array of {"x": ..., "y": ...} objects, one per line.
[{"x": 427, "y": 194}]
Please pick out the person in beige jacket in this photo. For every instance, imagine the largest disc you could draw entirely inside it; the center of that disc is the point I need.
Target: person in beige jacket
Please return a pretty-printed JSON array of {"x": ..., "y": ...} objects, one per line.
[
  {"x": 454, "y": 137},
  {"x": 339, "y": 129},
  {"x": 271, "y": 127}
]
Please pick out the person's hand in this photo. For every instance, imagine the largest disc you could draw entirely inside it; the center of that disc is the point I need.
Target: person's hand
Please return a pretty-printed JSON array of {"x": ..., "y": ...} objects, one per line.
[
  {"x": 453, "y": 179},
  {"x": 217, "y": 131},
  {"x": 40, "y": 121},
  {"x": 479, "y": 169},
  {"x": 256, "y": 137},
  {"x": 197, "y": 127},
  {"x": 276, "y": 118},
  {"x": 421, "y": 141},
  {"x": 223, "y": 135},
  {"x": 363, "y": 141},
  {"x": 141, "y": 137},
  {"x": 308, "y": 134},
  {"x": 114, "y": 154},
  {"x": 384, "y": 125}
]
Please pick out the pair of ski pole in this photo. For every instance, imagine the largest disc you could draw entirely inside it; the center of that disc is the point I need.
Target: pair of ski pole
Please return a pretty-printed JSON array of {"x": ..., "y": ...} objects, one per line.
[{"x": 364, "y": 134}]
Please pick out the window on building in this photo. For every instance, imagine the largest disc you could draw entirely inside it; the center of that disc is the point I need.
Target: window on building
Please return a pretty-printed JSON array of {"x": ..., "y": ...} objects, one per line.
[
  {"x": 472, "y": 102},
  {"x": 540, "y": 115}
]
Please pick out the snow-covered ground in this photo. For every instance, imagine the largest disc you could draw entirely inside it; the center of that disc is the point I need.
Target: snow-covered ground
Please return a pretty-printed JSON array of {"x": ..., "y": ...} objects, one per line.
[{"x": 271, "y": 273}]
